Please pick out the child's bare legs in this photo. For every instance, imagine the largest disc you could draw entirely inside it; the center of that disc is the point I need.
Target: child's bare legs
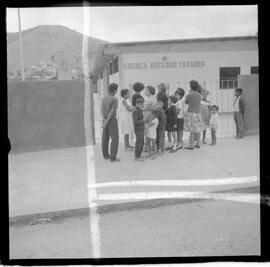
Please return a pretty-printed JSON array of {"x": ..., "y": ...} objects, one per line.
[
  {"x": 174, "y": 135},
  {"x": 174, "y": 148},
  {"x": 153, "y": 148},
  {"x": 170, "y": 145},
  {"x": 204, "y": 137},
  {"x": 214, "y": 139},
  {"x": 145, "y": 145},
  {"x": 191, "y": 143},
  {"x": 148, "y": 146},
  {"x": 197, "y": 138},
  {"x": 179, "y": 138}
]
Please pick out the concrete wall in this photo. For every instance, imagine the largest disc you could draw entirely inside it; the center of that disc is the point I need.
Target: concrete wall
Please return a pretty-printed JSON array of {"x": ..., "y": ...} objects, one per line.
[
  {"x": 45, "y": 115},
  {"x": 250, "y": 86}
]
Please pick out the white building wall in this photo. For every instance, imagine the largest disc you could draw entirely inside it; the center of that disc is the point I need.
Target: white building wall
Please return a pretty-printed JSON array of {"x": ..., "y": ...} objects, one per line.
[
  {"x": 207, "y": 73},
  {"x": 210, "y": 71}
]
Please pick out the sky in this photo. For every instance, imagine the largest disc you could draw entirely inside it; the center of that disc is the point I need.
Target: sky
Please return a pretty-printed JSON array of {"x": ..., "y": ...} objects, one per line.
[{"x": 127, "y": 24}]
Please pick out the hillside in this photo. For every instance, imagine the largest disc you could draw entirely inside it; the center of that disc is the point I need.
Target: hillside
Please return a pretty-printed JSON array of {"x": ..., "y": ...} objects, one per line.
[{"x": 43, "y": 42}]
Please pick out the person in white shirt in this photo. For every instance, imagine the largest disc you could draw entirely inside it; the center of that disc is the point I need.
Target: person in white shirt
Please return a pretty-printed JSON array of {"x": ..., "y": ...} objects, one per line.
[
  {"x": 151, "y": 134},
  {"x": 213, "y": 124},
  {"x": 180, "y": 106},
  {"x": 126, "y": 122}
]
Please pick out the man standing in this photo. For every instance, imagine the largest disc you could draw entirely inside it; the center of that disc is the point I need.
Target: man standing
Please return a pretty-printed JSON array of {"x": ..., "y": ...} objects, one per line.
[
  {"x": 238, "y": 114},
  {"x": 110, "y": 126}
]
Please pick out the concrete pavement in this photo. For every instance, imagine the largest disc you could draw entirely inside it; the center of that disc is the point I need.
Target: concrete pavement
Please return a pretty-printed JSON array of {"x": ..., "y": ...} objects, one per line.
[
  {"x": 208, "y": 228},
  {"x": 56, "y": 180}
]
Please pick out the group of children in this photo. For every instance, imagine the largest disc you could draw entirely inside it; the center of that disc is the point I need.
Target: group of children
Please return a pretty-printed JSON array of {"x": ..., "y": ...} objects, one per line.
[{"x": 153, "y": 115}]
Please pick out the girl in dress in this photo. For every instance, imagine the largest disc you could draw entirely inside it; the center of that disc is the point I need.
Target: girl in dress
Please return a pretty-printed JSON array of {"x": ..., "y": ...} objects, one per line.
[
  {"x": 149, "y": 104},
  {"x": 192, "y": 121},
  {"x": 126, "y": 122},
  {"x": 151, "y": 134}
]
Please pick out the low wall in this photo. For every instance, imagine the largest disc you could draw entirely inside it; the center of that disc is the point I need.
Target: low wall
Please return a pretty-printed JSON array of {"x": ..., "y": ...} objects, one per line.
[
  {"x": 45, "y": 115},
  {"x": 250, "y": 86}
]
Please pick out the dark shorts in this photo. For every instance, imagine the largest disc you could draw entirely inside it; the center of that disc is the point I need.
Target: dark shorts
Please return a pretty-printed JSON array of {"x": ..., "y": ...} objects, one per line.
[
  {"x": 170, "y": 128},
  {"x": 180, "y": 124}
]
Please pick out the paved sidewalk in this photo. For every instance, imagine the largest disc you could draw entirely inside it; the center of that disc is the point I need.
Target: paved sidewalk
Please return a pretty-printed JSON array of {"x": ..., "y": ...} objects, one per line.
[{"x": 56, "y": 180}]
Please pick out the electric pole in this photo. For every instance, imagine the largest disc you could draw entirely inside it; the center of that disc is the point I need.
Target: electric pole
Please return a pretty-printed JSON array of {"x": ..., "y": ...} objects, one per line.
[{"x": 21, "y": 46}]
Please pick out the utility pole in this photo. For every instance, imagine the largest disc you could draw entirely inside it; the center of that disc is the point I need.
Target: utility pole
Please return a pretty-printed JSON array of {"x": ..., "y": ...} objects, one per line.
[{"x": 21, "y": 46}]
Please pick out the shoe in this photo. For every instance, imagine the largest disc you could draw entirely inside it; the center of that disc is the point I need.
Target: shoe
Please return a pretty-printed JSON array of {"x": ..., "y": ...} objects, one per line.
[
  {"x": 173, "y": 150},
  {"x": 189, "y": 147},
  {"x": 197, "y": 146},
  {"x": 139, "y": 159},
  {"x": 115, "y": 160},
  {"x": 108, "y": 157},
  {"x": 168, "y": 148},
  {"x": 179, "y": 147},
  {"x": 212, "y": 144},
  {"x": 204, "y": 142}
]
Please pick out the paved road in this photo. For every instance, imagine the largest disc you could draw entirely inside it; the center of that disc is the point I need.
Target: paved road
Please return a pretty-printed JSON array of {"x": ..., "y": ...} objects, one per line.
[{"x": 199, "y": 228}]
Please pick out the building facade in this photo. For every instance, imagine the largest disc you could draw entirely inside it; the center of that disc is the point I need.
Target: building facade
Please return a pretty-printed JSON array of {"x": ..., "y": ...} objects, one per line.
[{"x": 214, "y": 62}]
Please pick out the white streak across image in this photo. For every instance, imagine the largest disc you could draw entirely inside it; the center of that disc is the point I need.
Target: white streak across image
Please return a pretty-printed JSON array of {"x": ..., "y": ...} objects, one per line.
[
  {"x": 92, "y": 194},
  {"x": 250, "y": 198},
  {"x": 187, "y": 182}
]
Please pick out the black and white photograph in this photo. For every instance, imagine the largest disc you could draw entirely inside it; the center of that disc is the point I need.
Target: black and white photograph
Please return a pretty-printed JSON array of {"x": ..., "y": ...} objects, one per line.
[{"x": 134, "y": 131}]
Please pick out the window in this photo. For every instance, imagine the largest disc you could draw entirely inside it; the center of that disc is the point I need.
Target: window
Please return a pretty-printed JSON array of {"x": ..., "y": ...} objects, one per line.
[
  {"x": 115, "y": 65},
  {"x": 228, "y": 77},
  {"x": 254, "y": 70},
  {"x": 111, "y": 68}
]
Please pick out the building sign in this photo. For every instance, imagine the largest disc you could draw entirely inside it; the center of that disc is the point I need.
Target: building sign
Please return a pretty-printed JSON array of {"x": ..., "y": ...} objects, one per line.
[{"x": 165, "y": 64}]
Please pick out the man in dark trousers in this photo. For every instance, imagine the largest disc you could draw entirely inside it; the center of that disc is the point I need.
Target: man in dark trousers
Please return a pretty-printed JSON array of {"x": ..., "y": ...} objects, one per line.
[
  {"x": 238, "y": 113},
  {"x": 110, "y": 126}
]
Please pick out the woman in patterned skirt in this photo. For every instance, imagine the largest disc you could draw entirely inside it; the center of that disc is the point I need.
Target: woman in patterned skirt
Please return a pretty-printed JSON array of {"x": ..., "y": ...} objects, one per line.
[{"x": 192, "y": 120}]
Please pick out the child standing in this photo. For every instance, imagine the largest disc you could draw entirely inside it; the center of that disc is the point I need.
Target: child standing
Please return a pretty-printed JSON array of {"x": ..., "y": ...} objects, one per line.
[
  {"x": 137, "y": 88},
  {"x": 160, "y": 141},
  {"x": 238, "y": 113},
  {"x": 151, "y": 134},
  {"x": 171, "y": 124},
  {"x": 213, "y": 124},
  {"x": 205, "y": 113},
  {"x": 149, "y": 104},
  {"x": 139, "y": 128},
  {"x": 126, "y": 124},
  {"x": 180, "y": 106},
  {"x": 162, "y": 95}
]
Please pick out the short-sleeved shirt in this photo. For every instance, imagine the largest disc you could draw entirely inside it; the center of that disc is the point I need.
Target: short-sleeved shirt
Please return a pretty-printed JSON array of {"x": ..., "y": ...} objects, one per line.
[
  {"x": 134, "y": 98},
  {"x": 162, "y": 118},
  {"x": 109, "y": 102},
  {"x": 193, "y": 100},
  {"x": 152, "y": 129},
  {"x": 214, "y": 121},
  {"x": 138, "y": 120},
  {"x": 180, "y": 106}
]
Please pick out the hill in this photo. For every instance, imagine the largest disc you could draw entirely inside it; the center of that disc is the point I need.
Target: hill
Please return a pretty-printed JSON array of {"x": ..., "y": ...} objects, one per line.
[{"x": 44, "y": 42}]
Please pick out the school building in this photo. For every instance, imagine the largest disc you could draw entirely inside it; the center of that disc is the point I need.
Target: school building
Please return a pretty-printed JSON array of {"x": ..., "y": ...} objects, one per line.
[{"x": 215, "y": 63}]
